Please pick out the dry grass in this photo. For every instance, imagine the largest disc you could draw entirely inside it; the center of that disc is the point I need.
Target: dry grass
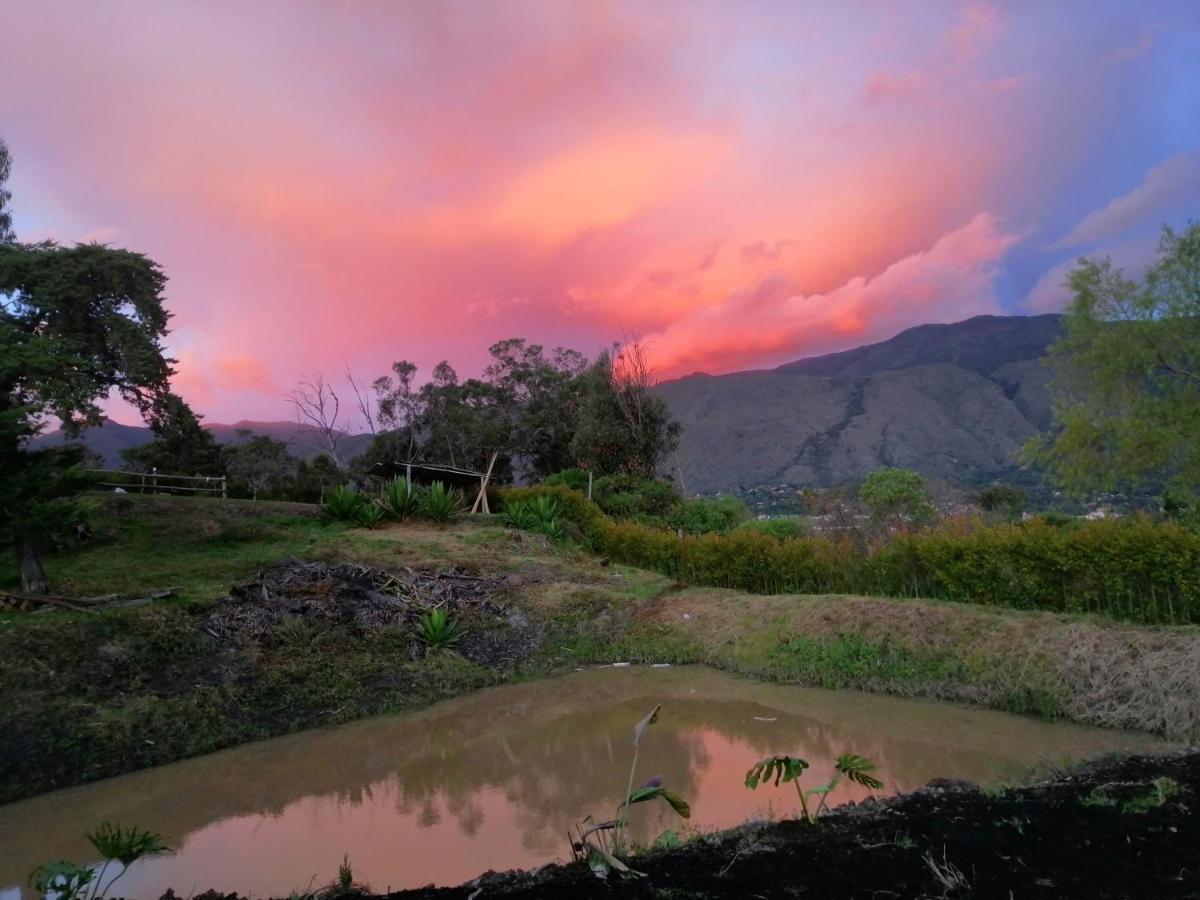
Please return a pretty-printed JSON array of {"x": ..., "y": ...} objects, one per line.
[{"x": 1117, "y": 676}]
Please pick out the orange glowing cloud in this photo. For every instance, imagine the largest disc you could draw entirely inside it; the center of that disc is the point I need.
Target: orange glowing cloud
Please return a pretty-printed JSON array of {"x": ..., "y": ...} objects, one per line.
[
  {"x": 603, "y": 184},
  {"x": 951, "y": 280},
  {"x": 332, "y": 185}
]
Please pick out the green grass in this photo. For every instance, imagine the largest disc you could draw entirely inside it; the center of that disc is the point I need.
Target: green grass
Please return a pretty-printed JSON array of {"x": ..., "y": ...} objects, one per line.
[
  {"x": 853, "y": 661},
  {"x": 194, "y": 544}
]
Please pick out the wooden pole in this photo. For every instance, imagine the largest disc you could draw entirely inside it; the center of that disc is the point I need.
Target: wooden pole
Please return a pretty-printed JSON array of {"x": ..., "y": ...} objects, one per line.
[
  {"x": 408, "y": 474},
  {"x": 481, "y": 500}
]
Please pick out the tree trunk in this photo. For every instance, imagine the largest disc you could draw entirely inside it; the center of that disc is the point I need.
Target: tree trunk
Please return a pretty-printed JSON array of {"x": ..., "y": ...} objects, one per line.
[{"x": 33, "y": 576}]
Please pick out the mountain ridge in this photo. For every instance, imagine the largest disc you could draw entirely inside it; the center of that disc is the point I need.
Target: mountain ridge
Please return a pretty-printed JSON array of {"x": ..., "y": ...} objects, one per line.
[{"x": 953, "y": 401}]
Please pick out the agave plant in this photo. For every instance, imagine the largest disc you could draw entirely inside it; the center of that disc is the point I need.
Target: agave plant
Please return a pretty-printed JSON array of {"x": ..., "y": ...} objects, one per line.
[
  {"x": 601, "y": 856},
  {"x": 441, "y": 504},
  {"x": 539, "y": 515},
  {"x": 782, "y": 769},
  {"x": 520, "y": 514},
  {"x": 342, "y": 504},
  {"x": 369, "y": 515},
  {"x": 437, "y": 629},
  {"x": 400, "y": 499},
  {"x": 68, "y": 881}
]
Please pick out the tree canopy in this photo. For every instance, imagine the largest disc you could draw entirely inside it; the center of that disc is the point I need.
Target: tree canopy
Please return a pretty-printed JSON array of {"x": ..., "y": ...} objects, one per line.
[
  {"x": 260, "y": 461},
  {"x": 7, "y": 236},
  {"x": 540, "y": 411},
  {"x": 1127, "y": 386},
  {"x": 897, "y": 498},
  {"x": 181, "y": 445},
  {"x": 76, "y": 325}
]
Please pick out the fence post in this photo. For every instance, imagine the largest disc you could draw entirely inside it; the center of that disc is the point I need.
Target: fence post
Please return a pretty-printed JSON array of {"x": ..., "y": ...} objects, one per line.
[{"x": 224, "y": 496}]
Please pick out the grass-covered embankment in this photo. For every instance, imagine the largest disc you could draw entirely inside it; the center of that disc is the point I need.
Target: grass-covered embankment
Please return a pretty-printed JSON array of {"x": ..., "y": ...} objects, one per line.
[
  {"x": 1134, "y": 569},
  {"x": 90, "y": 695}
]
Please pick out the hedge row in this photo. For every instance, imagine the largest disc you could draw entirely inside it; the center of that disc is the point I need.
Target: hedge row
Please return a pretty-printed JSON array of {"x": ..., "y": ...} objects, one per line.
[{"x": 1133, "y": 569}]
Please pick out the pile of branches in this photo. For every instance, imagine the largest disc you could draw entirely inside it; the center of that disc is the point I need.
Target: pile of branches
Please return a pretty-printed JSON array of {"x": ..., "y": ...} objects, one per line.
[{"x": 353, "y": 596}]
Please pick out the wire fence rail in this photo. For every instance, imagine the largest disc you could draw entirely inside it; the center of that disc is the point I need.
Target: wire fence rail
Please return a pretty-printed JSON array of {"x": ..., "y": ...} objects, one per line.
[{"x": 155, "y": 482}]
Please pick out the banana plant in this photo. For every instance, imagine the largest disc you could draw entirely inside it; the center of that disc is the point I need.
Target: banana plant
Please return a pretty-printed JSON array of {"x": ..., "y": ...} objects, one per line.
[
  {"x": 594, "y": 846},
  {"x": 782, "y": 769}
]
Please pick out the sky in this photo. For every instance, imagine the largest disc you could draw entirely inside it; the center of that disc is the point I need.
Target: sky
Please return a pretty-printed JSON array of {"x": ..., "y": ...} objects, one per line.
[{"x": 344, "y": 184}]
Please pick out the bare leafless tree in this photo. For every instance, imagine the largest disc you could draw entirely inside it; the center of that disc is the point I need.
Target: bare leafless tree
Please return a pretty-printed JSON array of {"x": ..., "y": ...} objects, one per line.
[
  {"x": 363, "y": 397},
  {"x": 318, "y": 409},
  {"x": 632, "y": 381}
]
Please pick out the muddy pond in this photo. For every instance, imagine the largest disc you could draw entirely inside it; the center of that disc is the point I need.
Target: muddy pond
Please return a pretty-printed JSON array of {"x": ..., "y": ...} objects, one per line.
[{"x": 495, "y": 780}]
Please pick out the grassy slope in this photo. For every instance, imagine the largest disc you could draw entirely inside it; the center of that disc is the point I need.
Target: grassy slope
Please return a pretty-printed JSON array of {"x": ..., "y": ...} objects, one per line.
[{"x": 90, "y": 695}]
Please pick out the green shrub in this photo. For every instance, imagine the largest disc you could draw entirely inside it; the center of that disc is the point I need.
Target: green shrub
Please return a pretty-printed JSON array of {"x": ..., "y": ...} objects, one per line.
[
  {"x": 576, "y": 479},
  {"x": 704, "y": 515},
  {"x": 400, "y": 499},
  {"x": 342, "y": 504},
  {"x": 441, "y": 504},
  {"x": 1125, "y": 569},
  {"x": 573, "y": 506},
  {"x": 628, "y": 496},
  {"x": 782, "y": 527}
]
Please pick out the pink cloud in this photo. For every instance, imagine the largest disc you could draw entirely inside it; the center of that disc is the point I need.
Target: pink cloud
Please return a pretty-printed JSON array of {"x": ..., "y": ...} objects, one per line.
[
  {"x": 950, "y": 280},
  {"x": 356, "y": 183},
  {"x": 242, "y": 372}
]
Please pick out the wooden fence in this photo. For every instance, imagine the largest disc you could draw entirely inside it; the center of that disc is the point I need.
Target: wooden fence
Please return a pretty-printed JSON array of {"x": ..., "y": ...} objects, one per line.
[{"x": 153, "y": 482}]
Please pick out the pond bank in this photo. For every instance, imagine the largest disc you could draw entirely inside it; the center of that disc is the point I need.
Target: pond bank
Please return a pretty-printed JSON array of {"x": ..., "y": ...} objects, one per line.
[
  {"x": 88, "y": 696},
  {"x": 1114, "y": 828}
]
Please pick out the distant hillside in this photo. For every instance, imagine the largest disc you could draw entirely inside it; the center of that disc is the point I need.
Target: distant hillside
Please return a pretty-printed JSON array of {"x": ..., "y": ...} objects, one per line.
[
  {"x": 109, "y": 439},
  {"x": 955, "y": 402}
]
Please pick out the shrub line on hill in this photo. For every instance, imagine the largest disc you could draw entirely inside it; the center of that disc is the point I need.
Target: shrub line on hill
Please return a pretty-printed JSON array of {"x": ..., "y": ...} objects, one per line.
[{"x": 1132, "y": 570}]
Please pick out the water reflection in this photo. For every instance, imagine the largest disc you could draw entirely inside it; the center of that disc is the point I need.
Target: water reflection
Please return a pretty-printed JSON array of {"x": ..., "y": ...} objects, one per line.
[{"x": 496, "y": 779}]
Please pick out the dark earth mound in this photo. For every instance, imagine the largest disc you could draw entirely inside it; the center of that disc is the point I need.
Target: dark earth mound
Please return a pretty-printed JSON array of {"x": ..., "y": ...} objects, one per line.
[
  {"x": 360, "y": 599},
  {"x": 1117, "y": 828}
]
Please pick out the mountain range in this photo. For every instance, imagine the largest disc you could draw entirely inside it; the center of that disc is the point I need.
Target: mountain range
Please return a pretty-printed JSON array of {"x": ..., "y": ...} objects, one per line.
[
  {"x": 110, "y": 438},
  {"x": 954, "y": 402}
]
